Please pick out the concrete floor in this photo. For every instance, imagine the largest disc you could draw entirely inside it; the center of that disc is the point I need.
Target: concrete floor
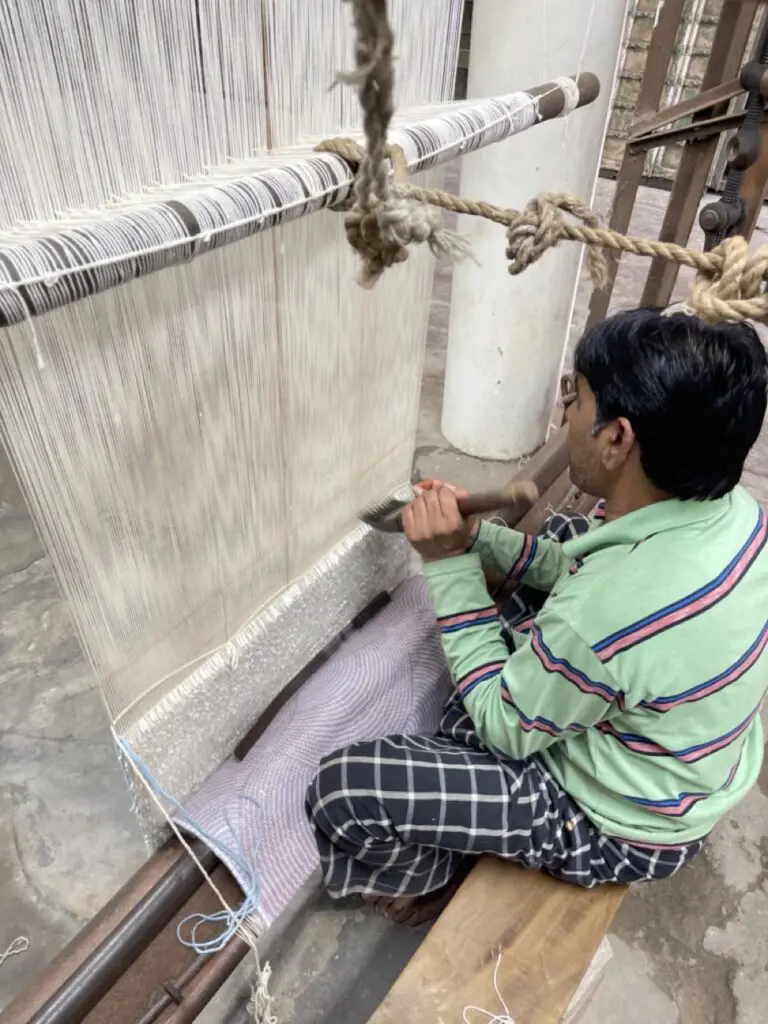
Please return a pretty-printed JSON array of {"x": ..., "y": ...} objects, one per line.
[{"x": 693, "y": 950}]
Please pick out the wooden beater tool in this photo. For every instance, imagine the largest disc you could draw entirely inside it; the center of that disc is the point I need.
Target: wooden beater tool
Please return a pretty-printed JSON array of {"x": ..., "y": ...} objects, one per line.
[{"x": 386, "y": 515}]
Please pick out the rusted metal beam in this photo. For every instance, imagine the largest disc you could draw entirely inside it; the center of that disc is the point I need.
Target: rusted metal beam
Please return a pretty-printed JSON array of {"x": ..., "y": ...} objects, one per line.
[
  {"x": 172, "y": 992},
  {"x": 164, "y": 960},
  {"x": 170, "y": 861},
  {"x": 643, "y": 130},
  {"x": 754, "y": 188},
  {"x": 728, "y": 47},
  {"x": 199, "y": 992},
  {"x": 644, "y": 133},
  {"x": 109, "y": 960},
  {"x": 543, "y": 468},
  {"x": 630, "y": 175},
  {"x": 689, "y": 132}
]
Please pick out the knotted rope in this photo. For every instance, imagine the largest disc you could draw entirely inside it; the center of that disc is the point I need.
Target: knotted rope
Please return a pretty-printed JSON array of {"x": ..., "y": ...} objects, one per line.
[
  {"x": 381, "y": 224},
  {"x": 389, "y": 213},
  {"x": 729, "y": 283}
]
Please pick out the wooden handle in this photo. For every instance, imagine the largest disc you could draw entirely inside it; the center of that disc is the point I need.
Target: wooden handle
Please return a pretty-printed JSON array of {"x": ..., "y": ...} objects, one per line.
[{"x": 523, "y": 491}]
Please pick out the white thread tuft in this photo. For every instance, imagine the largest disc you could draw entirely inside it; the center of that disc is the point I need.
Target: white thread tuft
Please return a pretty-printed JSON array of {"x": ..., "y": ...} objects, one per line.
[
  {"x": 19, "y": 945},
  {"x": 261, "y": 1002},
  {"x": 570, "y": 93},
  {"x": 491, "y": 1018}
]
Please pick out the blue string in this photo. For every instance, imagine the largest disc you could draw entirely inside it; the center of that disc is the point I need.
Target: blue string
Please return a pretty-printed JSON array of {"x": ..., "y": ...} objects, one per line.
[{"x": 228, "y": 922}]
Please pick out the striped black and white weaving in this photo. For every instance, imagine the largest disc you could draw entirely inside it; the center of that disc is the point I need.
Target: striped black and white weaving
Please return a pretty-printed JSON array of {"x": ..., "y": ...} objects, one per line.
[{"x": 126, "y": 241}]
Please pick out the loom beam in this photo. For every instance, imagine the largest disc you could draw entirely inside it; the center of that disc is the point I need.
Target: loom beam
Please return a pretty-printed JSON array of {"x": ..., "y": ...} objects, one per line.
[{"x": 53, "y": 270}]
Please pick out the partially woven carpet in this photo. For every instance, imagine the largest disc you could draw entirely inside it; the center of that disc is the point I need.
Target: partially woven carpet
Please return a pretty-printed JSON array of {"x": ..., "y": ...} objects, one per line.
[{"x": 388, "y": 677}]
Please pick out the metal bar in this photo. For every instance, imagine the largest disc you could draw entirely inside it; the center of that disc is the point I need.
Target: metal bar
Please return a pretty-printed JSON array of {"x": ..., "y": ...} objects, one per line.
[
  {"x": 728, "y": 46},
  {"x": 630, "y": 175},
  {"x": 44, "y": 273},
  {"x": 167, "y": 859},
  {"x": 691, "y": 132},
  {"x": 720, "y": 94},
  {"x": 199, "y": 992},
  {"x": 754, "y": 188},
  {"x": 94, "y": 974},
  {"x": 173, "y": 992},
  {"x": 164, "y": 958},
  {"x": 643, "y": 133}
]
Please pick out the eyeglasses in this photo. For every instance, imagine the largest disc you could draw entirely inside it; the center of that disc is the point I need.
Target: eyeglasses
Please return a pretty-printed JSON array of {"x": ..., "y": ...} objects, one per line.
[{"x": 568, "y": 392}]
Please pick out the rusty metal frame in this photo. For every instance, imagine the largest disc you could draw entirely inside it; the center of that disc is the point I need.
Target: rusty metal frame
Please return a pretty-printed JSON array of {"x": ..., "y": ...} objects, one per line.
[
  {"x": 644, "y": 130},
  {"x": 709, "y": 118}
]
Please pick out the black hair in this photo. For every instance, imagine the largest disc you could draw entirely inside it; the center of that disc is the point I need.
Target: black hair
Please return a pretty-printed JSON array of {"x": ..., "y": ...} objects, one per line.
[{"x": 695, "y": 394}]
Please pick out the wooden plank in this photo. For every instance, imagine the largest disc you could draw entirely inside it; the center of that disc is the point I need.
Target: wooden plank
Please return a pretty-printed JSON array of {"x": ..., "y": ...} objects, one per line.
[{"x": 547, "y": 932}]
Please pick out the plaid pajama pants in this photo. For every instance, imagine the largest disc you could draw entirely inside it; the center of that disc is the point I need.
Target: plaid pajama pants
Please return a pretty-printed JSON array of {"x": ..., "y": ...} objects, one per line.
[{"x": 400, "y": 816}]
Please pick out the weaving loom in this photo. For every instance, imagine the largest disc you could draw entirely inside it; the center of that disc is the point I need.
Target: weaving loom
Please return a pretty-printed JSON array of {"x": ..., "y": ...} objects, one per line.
[{"x": 196, "y": 396}]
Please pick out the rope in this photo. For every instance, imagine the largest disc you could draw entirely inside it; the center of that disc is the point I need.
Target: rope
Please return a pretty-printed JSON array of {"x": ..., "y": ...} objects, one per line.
[
  {"x": 729, "y": 282},
  {"x": 388, "y": 213},
  {"x": 380, "y": 225}
]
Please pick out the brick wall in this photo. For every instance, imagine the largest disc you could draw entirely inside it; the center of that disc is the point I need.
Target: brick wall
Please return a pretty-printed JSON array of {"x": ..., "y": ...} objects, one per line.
[{"x": 689, "y": 62}]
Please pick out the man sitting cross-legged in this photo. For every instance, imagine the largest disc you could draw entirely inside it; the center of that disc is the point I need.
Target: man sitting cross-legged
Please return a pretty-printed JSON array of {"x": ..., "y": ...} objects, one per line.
[{"x": 602, "y": 739}]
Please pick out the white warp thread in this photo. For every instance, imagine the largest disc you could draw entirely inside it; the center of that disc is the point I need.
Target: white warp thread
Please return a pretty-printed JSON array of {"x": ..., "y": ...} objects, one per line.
[
  {"x": 194, "y": 441},
  {"x": 19, "y": 945},
  {"x": 491, "y": 1018}
]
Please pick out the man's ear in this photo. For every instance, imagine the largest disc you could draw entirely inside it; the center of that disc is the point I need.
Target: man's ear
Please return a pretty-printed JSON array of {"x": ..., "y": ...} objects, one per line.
[{"x": 619, "y": 440}]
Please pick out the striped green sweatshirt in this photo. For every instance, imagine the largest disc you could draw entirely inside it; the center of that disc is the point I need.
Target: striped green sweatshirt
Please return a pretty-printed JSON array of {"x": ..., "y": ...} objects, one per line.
[{"x": 640, "y": 681}]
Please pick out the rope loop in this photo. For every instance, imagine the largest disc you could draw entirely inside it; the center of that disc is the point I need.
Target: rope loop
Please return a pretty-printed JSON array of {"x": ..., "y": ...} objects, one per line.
[
  {"x": 736, "y": 289},
  {"x": 388, "y": 213},
  {"x": 381, "y": 226},
  {"x": 542, "y": 225}
]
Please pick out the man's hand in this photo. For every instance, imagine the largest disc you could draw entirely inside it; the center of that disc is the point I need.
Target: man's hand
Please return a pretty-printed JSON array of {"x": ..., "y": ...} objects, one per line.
[{"x": 434, "y": 525}]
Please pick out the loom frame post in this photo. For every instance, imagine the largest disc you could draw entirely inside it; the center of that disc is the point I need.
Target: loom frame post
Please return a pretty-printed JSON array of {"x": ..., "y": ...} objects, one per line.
[
  {"x": 728, "y": 49},
  {"x": 491, "y": 408},
  {"x": 709, "y": 118},
  {"x": 660, "y": 50}
]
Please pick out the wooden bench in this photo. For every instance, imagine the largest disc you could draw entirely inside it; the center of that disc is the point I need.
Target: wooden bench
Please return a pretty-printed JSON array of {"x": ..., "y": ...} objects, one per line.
[{"x": 546, "y": 931}]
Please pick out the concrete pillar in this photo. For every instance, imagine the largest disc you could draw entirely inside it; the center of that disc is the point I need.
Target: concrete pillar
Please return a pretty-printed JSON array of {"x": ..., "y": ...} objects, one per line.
[{"x": 507, "y": 334}]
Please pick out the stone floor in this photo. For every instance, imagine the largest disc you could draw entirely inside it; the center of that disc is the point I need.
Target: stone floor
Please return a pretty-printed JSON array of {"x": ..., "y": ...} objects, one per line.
[{"x": 691, "y": 951}]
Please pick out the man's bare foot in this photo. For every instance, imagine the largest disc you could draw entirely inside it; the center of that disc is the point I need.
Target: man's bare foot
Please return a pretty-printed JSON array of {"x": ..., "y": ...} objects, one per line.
[{"x": 414, "y": 910}]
